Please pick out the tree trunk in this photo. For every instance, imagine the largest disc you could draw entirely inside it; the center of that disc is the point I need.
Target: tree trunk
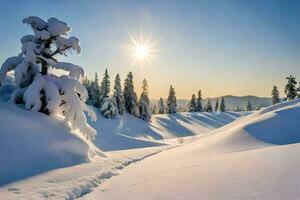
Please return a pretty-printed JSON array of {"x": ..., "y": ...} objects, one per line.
[{"x": 44, "y": 69}]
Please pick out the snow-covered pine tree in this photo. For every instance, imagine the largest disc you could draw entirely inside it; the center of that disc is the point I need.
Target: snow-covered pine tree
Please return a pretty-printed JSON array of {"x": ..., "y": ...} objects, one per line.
[
  {"x": 172, "y": 101},
  {"x": 154, "y": 109},
  {"x": 104, "y": 88},
  {"x": 290, "y": 88},
  {"x": 222, "y": 105},
  {"x": 192, "y": 104},
  {"x": 249, "y": 106},
  {"x": 199, "y": 102},
  {"x": 94, "y": 92},
  {"x": 275, "y": 95},
  {"x": 42, "y": 90},
  {"x": 161, "y": 106},
  {"x": 118, "y": 95},
  {"x": 217, "y": 105},
  {"x": 130, "y": 97},
  {"x": 208, "y": 107},
  {"x": 109, "y": 108},
  {"x": 144, "y": 102}
]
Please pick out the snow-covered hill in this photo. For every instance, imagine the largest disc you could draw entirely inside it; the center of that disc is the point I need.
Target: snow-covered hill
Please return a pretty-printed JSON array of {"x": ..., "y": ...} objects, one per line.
[
  {"x": 31, "y": 143},
  {"x": 242, "y": 160},
  {"x": 128, "y": 132}
]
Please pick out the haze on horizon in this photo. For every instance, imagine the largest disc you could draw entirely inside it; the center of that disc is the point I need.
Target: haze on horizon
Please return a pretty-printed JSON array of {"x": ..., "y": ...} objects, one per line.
[{"x": 220, "y": 47}]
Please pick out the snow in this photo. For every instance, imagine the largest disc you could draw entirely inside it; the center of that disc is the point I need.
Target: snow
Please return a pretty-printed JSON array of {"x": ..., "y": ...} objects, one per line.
[
  {"x": 36, "y": 22},
  {"x": 57, "y": 27},
  {"x": 45, "y": 146},
  {"x": 232, "y": 162},
  {"x": 32, "y": 143},
  {"x": 222, "y": 156}
]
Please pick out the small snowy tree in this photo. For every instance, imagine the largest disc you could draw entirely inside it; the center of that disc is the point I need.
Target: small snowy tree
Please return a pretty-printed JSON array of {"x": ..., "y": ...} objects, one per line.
[
  {"x": 41, "y": 90},
  {"x": 290, "y": 88},
  {"x": 130, "y": 97},
  {"x": 275, "y": 95},
  {"x": 118, "y": 95},
  {"x": 222, "y": 105},
  {"x": 172, "y": 101},
  {"x": 199, "y": 102},
  {"x": 217, "y": 105},
  {"x": 208, "y": 107},
  {"x": 104, "y": 88},
  {"x": 144, "y": 102},
  {"x": 161, "y": 106},
  {"x": 109, "y": 108},
  {"x": 192, "y": 104},
  {"x": 249, "y": 106}
]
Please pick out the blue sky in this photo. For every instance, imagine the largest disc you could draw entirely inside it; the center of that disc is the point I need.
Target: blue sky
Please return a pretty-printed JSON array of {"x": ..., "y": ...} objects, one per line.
[{"x": 222, "y": 47}]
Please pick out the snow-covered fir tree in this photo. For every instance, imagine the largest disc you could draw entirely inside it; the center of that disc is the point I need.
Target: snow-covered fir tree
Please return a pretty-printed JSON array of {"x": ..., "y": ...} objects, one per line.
[
  {"x": 44, "y": 91},
  {"x": 94, "y": 92},
  {"x": 249, "y": 106},
  {"x": 192, "y": 104},
  {"x": 144, "y": 102},
  {"x": 130, "y": 97},
  {"x": 275, "y": 95},
  {"x": 222, "y": 105},
  {"x": 118, "y": 95},
  {"x": 208, "y": 107},
  {"x": 161, "y": 106},
  {"x": 171, "y": 101},
  {"x": 199, "y": 102},
  {"x": 104, "y": 88},
  {"x": 290, "y": 88},
  {"x": 217, "y": 105},
  {"x": 109, "y": 108}
]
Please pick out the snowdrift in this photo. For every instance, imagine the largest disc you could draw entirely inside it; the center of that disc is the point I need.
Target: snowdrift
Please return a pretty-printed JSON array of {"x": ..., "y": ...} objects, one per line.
[
  {"x": 32, "y": 143},
  {"x": 129, "y": 132},
  {"x": 275, "y": 125}
]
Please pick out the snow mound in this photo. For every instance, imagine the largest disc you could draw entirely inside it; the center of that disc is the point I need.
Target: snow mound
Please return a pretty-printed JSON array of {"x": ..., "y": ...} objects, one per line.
[
  {"x": 275, "y": 125},
  {"x": 32, "y": 143}
]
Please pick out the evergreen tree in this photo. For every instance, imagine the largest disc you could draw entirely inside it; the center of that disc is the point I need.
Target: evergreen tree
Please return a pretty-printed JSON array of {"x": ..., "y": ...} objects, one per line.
[
  {"x": 199, "y": 102},
  {"x": 249, "y": 106},
  {"x": 290, "y": 88},
  {"x": 275, "y": 95},
  {"x": 172, "y": 101},
  {"x": 161, "y": 106},
  {"x": 105, "y": 87},
  {"x": 118, "y": 95},
  {"x": 130, "y": 97},
  {"x": 208, "y": 107},
  {"x": 144, "y": 102},
  {"x": 217, "y": 105},
  {"x": 109, "y": 108},
  {"x": 298, "y": 90},
  {"x": 41, "y": 89},
  {"x": 192, "y": 104},
  {"x": 222, "y": 105},
  {"x": 95, "y": 91}
]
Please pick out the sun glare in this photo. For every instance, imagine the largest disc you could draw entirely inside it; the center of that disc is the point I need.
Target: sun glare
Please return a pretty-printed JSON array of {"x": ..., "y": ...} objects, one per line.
[
  {"x": 141, "y": 49},
  {"x": 141, "y": 52}
]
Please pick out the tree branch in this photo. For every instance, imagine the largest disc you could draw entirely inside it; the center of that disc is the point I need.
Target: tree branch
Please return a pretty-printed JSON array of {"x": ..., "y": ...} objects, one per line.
[{"x": 58, "y": 51}]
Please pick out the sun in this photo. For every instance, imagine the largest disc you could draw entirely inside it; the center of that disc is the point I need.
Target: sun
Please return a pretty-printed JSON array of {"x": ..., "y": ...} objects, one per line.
[
  {"x": 141, "y": 49},
  {"x": 141, "y": 52}
]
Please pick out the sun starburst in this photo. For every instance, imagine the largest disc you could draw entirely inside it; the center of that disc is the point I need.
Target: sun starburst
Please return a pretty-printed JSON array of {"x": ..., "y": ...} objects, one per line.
[{"x": 141, "y": 49}]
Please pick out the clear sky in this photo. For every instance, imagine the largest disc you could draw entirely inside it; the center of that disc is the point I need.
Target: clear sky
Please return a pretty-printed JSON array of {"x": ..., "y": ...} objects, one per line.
[{"x": 222, "y": 47}]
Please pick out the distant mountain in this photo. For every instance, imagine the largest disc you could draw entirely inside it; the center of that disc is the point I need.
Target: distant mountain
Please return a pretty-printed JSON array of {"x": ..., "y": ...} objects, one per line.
[{"x": 232, "y": 102}]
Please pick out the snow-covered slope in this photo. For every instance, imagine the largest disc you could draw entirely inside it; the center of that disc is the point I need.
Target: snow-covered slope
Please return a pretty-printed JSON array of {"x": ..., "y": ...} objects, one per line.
[
  {"x": 128, "y": 132},
  {"x": 31, "y": 143},
  {"x": 239, "y": 161}
]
